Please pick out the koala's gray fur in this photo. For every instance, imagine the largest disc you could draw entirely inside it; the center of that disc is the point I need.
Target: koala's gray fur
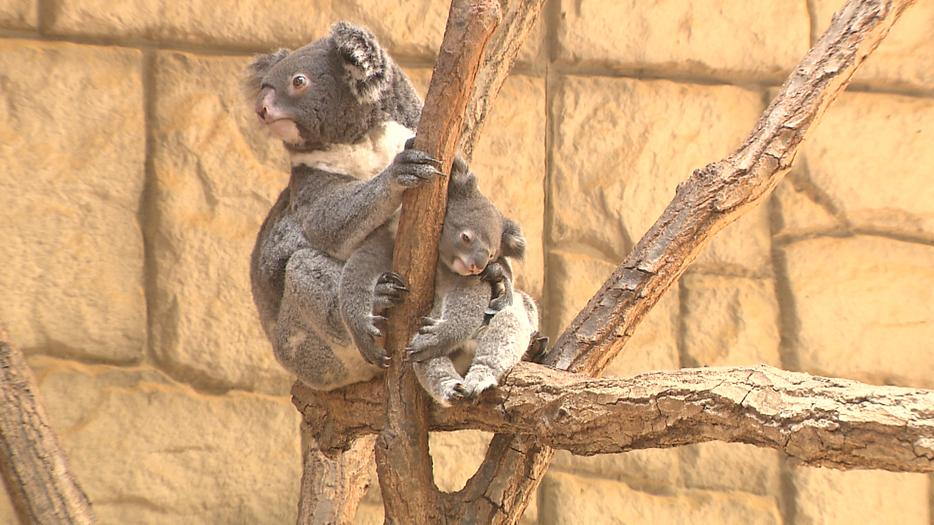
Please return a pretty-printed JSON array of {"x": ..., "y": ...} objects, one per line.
[
  {"x": 343, "y": 109},
  {"x": 456, "y": 354},
  {"x": 475, "y": 234}
]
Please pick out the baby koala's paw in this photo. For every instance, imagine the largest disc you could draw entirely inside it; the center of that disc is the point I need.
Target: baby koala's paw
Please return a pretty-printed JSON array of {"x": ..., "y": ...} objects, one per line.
[{"x": 478, "y": 381}]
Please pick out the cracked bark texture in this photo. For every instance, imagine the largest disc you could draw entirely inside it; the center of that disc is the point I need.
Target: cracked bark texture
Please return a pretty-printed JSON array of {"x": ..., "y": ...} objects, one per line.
[
  {"x": 816, "y": 421},
  {"x": 403, "y": 462}
]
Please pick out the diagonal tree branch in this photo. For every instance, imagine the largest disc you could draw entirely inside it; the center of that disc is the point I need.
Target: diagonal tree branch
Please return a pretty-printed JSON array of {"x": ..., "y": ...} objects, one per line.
[
  {"x": 704, "y": 205},
  {"x": 720, "y": 193},
  {"x": 816, "y": 421},
  {"x": 32, "y": 464}
]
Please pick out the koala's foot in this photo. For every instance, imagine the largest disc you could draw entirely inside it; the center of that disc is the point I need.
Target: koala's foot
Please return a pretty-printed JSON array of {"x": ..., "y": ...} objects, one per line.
[
  {"x": 412, "y": 167},
  {"x": 372, "y": 352},
  {"x": 478, "y": 381},
  {"x": 455, "y": 394},
  {"x": 538, "y": 346}
]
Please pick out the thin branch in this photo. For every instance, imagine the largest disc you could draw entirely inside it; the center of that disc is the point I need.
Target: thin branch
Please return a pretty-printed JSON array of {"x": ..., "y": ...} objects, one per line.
[
  {"x": 519, "y": 18},
  {"x": 723, "y": 191},
  {"x": 32, "y": 463}
]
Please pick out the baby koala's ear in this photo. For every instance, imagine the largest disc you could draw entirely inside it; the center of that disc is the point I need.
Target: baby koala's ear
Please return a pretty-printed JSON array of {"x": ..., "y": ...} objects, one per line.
[
  {"x": 513, "y": 243},
  {"x": 367, "y": 65}
]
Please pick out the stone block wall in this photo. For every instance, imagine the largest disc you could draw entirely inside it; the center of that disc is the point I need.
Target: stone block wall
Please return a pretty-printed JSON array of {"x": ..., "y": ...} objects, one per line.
[{"x": 133, "y": 179}]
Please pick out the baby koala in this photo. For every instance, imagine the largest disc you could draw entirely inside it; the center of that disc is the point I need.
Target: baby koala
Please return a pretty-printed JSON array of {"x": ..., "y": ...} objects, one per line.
[{"x": 462, "y": 348}]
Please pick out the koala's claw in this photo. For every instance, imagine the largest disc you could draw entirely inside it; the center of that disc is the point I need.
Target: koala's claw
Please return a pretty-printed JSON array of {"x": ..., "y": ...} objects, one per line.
[
  {"x": 391, "y": 278},
  {"x": 458, "y": 393},
  {"x": 376, "y": 325},
  {"x": 501, "y": 293},
  {"x": 375, "y": 355},
  {"x": 425, "y": 324},
  {"x": 413, "y": 167},
  {"x": 389, "y": 291},
  {"x": 419, "y": 353},
  {"x": 538, "y": 348}
]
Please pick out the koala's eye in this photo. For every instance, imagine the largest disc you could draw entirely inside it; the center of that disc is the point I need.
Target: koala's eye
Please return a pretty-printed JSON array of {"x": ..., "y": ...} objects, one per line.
[
  {"x": 466, "y": 237},
  {"x": 299, "y": 81}
]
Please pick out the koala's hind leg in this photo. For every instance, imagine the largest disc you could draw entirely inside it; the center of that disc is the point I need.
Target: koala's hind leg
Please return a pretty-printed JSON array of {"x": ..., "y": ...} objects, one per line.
[
  {"x": 300, "y": 351},
  {"x": 440, "y": 379},
  {"x": 502, "y": 344},
  {"x": 312, "y": 279}
]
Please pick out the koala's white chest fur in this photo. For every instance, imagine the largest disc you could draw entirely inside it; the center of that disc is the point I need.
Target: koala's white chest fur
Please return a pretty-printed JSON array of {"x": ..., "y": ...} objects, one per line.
[{"x": 363, "y": 160}]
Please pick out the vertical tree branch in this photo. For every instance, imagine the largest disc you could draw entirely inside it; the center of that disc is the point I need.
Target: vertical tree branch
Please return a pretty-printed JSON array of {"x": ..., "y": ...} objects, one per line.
[
  {"x": 402, "y": 459},
  {"x": 32, "y": 464},
  {"x": 332, "y": 488}
]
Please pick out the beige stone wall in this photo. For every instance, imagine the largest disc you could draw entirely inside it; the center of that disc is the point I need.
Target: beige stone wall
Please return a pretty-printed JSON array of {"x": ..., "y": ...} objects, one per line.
[{"x": 133, "y": 180}]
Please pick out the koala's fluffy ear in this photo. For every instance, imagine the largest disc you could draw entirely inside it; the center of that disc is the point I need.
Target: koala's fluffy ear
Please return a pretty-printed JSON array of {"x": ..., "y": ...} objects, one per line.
[
  {"x": 513, "y": 243},
  {"x": 367, "y": 64},
  {"x": 253, "y": 76},
  {"x": 460, "y": 169}
]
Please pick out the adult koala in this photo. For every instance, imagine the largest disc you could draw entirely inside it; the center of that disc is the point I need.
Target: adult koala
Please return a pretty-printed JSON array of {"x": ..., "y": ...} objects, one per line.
[{"x": 343, "y": 109}]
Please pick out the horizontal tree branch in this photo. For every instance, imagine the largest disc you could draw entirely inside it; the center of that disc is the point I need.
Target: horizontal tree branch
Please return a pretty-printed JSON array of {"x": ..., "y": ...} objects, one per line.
[{"x": 816, "y": 421}]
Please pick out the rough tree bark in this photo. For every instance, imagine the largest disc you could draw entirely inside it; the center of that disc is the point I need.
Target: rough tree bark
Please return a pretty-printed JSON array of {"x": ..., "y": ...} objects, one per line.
[
  {"x": 345, "y": 468},
  {"x": 704, "y": 204},
  {"x": 816, "y": 421},
  {"x": 32, "y": 464},
  {"x": 402, "y": 460}
]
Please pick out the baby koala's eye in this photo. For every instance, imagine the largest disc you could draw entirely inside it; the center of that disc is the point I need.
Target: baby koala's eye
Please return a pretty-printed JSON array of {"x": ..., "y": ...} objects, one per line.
[
  {"x": 299, "y": 81},
  {"x": 466, "y": 237}
]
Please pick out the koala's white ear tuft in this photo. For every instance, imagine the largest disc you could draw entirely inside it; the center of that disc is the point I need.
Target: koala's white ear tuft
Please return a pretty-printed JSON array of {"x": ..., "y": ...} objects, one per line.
[
  {"x": 513, "y": 243},
  {"x": 367, "y": 65},
  {"x": 253, "y": 76}
]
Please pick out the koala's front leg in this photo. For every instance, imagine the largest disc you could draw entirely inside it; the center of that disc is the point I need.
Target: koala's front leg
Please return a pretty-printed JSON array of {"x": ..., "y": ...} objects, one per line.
[
  {"x": 338, "y": 212},
  {"x": 359, "y": 283},
  {"x": 461, "y": 315},
  {"x": 440, "y": 379},
  {"x": 502, "y": 345}
]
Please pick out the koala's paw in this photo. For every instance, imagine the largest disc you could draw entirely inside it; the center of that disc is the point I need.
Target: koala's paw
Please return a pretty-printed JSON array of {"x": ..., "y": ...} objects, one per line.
[
  {"x": 427, "y": 343},
  {"x": 413, "y": 167},
  {"x": 475, "y": 384},
  {"x": 390, "y": 290},
  {"x": 375, "y": 354},
  {"x": 454, "y": 394},
  {"x": 500, "y": 288}
]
